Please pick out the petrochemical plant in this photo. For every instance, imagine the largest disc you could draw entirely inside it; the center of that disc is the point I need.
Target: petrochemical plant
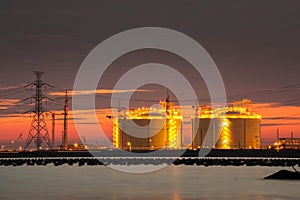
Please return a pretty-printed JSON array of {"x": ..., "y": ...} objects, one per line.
[{"x": 232, "y": 127}]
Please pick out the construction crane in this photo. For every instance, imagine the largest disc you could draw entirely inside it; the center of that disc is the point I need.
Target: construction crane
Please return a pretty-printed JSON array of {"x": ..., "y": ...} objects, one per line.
[
  {"x": 53, "y": 131},
  {"x": 65, "y": 132},
  {"x": 64, "y": 145}
]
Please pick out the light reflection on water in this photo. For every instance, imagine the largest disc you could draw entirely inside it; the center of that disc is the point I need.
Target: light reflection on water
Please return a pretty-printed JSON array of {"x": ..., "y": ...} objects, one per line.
[{"x": 173, "y": 182}]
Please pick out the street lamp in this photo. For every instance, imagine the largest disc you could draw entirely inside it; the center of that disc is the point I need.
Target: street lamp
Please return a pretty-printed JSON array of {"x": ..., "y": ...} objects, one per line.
[{"x": 129, "y": 145}]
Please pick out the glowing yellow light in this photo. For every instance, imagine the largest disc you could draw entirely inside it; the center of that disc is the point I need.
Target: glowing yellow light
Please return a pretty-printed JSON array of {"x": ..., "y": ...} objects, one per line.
[
  {"x": 116, "y": 133},
  {"x": 172, "y": 116},
  {"x": 240, "y": 110},
  {"x": 225, "y": 123}
]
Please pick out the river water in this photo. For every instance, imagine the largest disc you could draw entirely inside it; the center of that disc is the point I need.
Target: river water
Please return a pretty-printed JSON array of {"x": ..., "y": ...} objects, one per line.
[{"x": 172, "y": 182}]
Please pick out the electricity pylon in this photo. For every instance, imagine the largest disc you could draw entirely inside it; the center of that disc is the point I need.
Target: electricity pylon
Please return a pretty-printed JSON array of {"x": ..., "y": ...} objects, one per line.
[{"x": 38, "y": 132}]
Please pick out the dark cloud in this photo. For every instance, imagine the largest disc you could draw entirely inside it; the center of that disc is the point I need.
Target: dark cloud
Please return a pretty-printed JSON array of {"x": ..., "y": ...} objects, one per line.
[
  {"x": 281, "y": 118},
  {"x": 255, "y": 43},
  {"x": 278, "y": 124},
  {"x": 71, "y": 118}
]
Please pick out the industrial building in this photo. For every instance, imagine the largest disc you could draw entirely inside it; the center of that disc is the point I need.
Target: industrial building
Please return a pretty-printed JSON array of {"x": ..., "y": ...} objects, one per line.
[
  {"x": 232, "y": 127},
  {"x": 287, "y": 143},
  {"x": 149, "y": 128}
]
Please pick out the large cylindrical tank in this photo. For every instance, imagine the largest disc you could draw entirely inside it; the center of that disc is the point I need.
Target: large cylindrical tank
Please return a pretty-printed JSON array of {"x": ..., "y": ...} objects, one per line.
[
  {"x": 228, "y": 133},
  {"x": 159, "y": 135}
]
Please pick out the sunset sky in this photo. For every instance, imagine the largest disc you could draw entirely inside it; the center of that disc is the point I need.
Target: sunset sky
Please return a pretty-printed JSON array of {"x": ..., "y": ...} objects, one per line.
[{"x": 255, "y": 45}]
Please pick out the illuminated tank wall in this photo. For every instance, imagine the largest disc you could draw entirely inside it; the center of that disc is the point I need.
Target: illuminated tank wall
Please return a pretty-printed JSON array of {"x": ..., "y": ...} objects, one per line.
[
  {"x": 237, "y": 127},
  {"x": 162, "y": 126}
]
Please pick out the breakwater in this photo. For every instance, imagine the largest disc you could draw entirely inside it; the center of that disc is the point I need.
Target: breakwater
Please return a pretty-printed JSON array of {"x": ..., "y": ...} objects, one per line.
[
  {"x": 249, "y": 153},
  {"x": 283, "y": 162},
  {"x": 170, "y": 157}
]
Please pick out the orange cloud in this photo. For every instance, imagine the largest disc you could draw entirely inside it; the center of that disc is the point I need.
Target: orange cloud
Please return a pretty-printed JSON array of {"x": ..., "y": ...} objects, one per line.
[
  {"x": 9, "y": 102},
  {"x": 98, "y": 91},
  {"x": 276, "y": 116}
]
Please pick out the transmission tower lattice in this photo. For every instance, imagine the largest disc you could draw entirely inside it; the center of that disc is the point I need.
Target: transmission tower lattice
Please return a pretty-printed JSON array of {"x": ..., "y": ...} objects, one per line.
[{"x": 38, "y": 132}]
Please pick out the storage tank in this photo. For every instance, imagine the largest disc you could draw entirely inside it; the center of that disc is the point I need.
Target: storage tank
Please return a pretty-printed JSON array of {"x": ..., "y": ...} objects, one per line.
[
  {"x": 234, "y": 127},
  {"x": 149, "y": 128}
]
